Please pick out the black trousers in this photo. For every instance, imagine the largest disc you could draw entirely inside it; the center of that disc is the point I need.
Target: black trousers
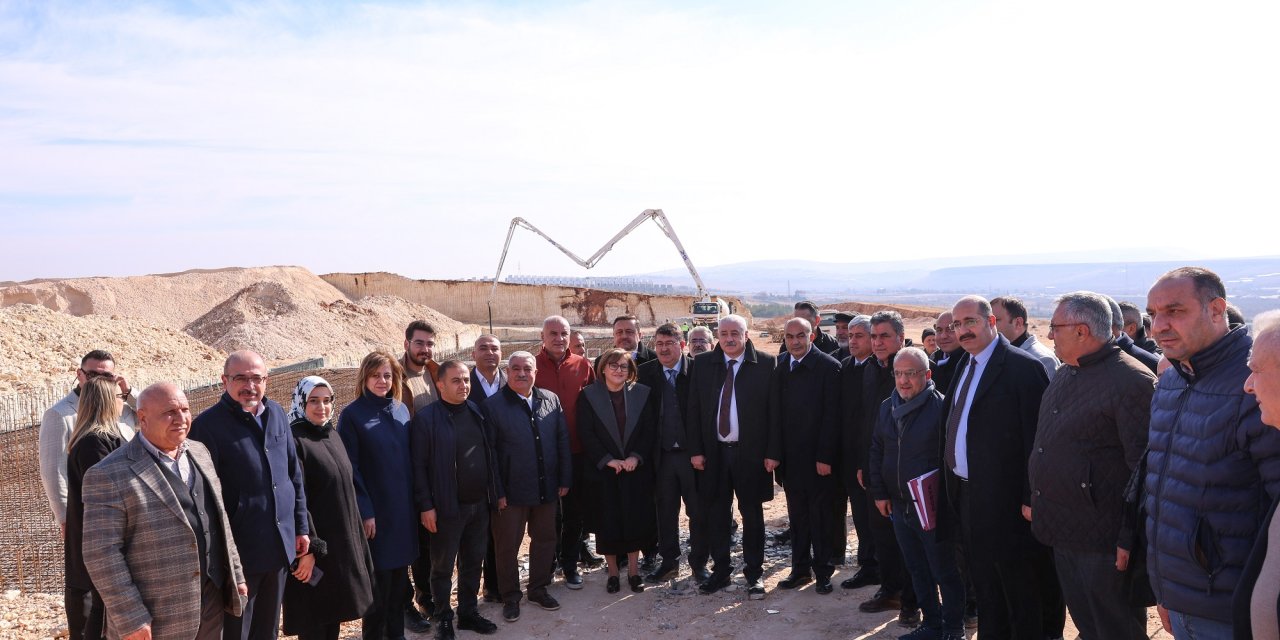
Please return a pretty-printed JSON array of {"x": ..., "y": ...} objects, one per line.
[
  {"x": 85, "y": 614},
  {"x": 675, "y": 483},
  {"x": 809, "y": 510},
  {"x": 261, "y": 619},
  {"x": 894, "y": 576},
  {"x": 491, "y": 568},
  {"x": 1008, "y": 590},
  {"x": 386, "y": 616},
  {"x": 420, "y": 591},
  {"x": 720, "y": 517},
  {"x": 839, "y": 519},
  {"x": 860, "y": 505},
  {"x": 571, "y": 519},
  {"x": 459, "y": 540},
  {"x": 1098, "y": 596}
]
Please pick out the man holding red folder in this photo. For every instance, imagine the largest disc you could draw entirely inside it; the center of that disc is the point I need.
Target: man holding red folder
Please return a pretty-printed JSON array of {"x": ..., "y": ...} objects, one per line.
[{"x": 906, "y": 458}]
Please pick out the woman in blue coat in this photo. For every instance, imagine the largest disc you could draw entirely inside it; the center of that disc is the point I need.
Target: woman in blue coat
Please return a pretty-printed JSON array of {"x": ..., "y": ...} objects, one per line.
[{"x": 375, "y": 430}]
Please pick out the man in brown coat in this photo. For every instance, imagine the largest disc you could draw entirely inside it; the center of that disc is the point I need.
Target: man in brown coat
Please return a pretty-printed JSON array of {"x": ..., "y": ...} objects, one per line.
[
  {"x": 1090, "y": 436},
  {"x": 157, "y": 541}
]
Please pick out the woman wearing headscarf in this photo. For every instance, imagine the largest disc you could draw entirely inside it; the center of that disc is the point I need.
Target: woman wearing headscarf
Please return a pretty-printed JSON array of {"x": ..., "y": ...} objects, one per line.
[
  {"x": 619, "y": 432},
  {"x": 375, "y": 430},
  {"x": 97, "y": 433},
  {"x": 333, "y": 582}
]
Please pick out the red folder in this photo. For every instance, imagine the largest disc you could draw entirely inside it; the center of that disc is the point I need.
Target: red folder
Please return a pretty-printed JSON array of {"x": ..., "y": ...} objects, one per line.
[{"x": 924, "y": 495}]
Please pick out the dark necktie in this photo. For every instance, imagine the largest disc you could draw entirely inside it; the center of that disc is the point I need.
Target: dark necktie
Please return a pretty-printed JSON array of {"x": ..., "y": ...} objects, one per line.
[
  {"x": 957, "y": 408},
  {"x": 794, "y": 363},
  {"x": 671, "y": 377},
  {"x": 726, "y": 395}
]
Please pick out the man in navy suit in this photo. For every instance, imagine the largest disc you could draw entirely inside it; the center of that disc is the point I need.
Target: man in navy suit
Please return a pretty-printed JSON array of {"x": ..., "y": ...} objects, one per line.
[
  {"x": 252, "y": 448},
  {"x": 668, "y": 376},
  {"x": 993, "y": 408}
]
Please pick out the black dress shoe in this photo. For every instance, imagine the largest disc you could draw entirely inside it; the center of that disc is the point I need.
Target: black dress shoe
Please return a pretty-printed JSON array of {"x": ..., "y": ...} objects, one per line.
[
  {"x": 473, "y": 621},
  {"x": 863, "y": 578},
  {"x": 714, "y": 582},
  {"x": 783, "y": 537},
  {"x": 824, "y": 586},
  {"x": 700, "y": 575},
  {"x": 588, "y": 559},
  {"x": 795, "y": 580},
  {"x": 882, "y": 601},
  {"x": 647, "y": 563},
  {"x": 413, "y": 620},
  {"x": 664, "y": 572},
  {"x": 755, "y": 589},
  {"x": 511, "y": 611},
  {"x": 909, "y": 617},
  {"x": 637, "y": 585},
  {"x": 444, "y": 629},
  {"x": 572, "y": 579},
  {"x": 612, "y": 585}
]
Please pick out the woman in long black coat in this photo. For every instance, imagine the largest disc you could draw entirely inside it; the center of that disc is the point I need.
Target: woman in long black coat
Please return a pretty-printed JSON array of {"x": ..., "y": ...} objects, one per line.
[
  {"x": 619, "y": 434},
  {"x": 96, "y": 434},
  {"x": 332, "y": 583}
]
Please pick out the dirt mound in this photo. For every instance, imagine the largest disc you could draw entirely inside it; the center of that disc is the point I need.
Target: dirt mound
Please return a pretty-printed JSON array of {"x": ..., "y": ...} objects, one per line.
[
  {"x": 39, "y": 346},
  {"x": 285, "y": 325},
  {"x": 908, "y": 311},
  {"x": 170, "y": 300}
]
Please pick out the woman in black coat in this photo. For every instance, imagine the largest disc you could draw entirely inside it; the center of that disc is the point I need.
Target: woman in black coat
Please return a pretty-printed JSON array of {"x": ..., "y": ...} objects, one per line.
[
  {"x": 333, "y": 582},
  {"x": 96, "y": 434},
  {"x": 619, "y": 433}
]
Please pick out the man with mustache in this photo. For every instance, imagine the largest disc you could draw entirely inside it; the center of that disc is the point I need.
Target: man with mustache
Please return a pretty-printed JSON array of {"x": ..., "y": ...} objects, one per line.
[
  {"x": 993, "y": 406},
  {"x": 252, "y": 449}
]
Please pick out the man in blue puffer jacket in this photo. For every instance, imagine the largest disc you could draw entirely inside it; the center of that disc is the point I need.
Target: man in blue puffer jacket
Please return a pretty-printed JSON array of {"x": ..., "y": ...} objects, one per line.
[{"x": 1212, "y": 465}]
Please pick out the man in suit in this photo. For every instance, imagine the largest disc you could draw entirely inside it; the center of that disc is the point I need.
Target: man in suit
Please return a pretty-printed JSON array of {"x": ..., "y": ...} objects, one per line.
[
  {"x": 487, "y": 379},
  {"x": 157, "y": 542},
  {"x": 252, "y": 449},
  {"x": 949, "y": 353},
  {"x": 626, "y": 336},
  {"x": 993, "y": 406},
  {"x": 851, "y": 371},
  {"x": 1011, "y": 322},
  {"x": 1135, "y": 326},
  {"x": 805, "y": 408},
  {"x": 1150, "y": 360},
  {"x": 809, "y": 311},
  {"x": 701, "y": 340},
  {"x": 668, "y": 376},
  {"x": 734, "y": 447}
]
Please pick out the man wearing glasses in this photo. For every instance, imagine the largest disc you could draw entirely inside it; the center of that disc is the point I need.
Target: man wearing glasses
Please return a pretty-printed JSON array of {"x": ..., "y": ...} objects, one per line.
[
  {"x": 55, "y": 432},
  {"x": 993, "y": 405},
  {"x": 700, "y": 341},
  {"x": 252, "y": 448}
]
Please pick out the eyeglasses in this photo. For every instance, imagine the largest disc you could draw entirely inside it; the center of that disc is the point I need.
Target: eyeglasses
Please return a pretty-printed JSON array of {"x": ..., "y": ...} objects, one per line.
[
  {"x": 909, "y": 373},
  {"x": 253, "y": 380},
  {"x": 122, "y": 396},
  {"x": 618, "y": 366},
  {"x": 943, "y": 329},
  {"x": 1055, "y": 327},
  {"x": 967, "y": 323},
  {"x": 699, "y": 341}
]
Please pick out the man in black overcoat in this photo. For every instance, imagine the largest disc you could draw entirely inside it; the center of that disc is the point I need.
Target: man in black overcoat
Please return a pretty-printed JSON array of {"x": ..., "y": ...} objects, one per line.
[{"x": 733, "y": 447}]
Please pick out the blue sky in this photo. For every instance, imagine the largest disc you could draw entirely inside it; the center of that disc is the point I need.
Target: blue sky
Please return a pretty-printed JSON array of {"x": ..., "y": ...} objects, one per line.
[{"x": 403, "y": 136}]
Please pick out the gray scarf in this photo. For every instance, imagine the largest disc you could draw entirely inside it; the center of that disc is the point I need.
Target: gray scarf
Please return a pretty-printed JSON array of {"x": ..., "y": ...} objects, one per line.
[{"x": 902, "y": 409}]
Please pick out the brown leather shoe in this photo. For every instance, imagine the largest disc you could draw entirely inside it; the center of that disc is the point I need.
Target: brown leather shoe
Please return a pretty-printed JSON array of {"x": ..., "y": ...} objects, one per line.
[{"x": 882, "y": 601}]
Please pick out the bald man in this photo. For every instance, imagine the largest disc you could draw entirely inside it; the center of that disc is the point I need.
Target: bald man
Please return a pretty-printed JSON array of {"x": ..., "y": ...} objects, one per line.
[
  {"x": 252, "y": 449},
  {"x": 156, "y": 538}
]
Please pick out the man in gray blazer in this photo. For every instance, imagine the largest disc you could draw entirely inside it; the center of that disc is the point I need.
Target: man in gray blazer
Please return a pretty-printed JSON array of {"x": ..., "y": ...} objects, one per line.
[{"x": 157, "y": 542}]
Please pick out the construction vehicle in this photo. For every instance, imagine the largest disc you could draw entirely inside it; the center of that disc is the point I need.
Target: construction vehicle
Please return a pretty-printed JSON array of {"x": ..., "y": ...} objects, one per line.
[{"x": 707, "y": 310}]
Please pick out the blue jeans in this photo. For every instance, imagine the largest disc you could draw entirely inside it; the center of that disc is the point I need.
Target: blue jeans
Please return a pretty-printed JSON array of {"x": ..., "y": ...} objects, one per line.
[
  {"x": 933, "y": 568},
  {"x": 1189, "y": 627}
]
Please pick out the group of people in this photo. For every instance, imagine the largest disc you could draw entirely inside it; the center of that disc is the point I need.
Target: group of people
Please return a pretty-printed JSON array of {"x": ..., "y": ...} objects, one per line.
[{"x": 990, "y": 477}]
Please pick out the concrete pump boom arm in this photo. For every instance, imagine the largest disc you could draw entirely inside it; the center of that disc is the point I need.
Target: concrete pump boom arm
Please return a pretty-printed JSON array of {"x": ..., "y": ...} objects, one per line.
[{"x": 648, "y": 214}]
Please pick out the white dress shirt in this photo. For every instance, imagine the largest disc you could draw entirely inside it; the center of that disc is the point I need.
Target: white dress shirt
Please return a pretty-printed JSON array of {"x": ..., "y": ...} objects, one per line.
[
  {"x": 733, "y": 401},
  {"x": 962, "y": 431}
]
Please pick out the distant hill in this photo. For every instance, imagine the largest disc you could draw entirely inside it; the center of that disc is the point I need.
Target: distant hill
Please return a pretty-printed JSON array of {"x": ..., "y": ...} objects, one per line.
[{"x": 1252, "y": 283}]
